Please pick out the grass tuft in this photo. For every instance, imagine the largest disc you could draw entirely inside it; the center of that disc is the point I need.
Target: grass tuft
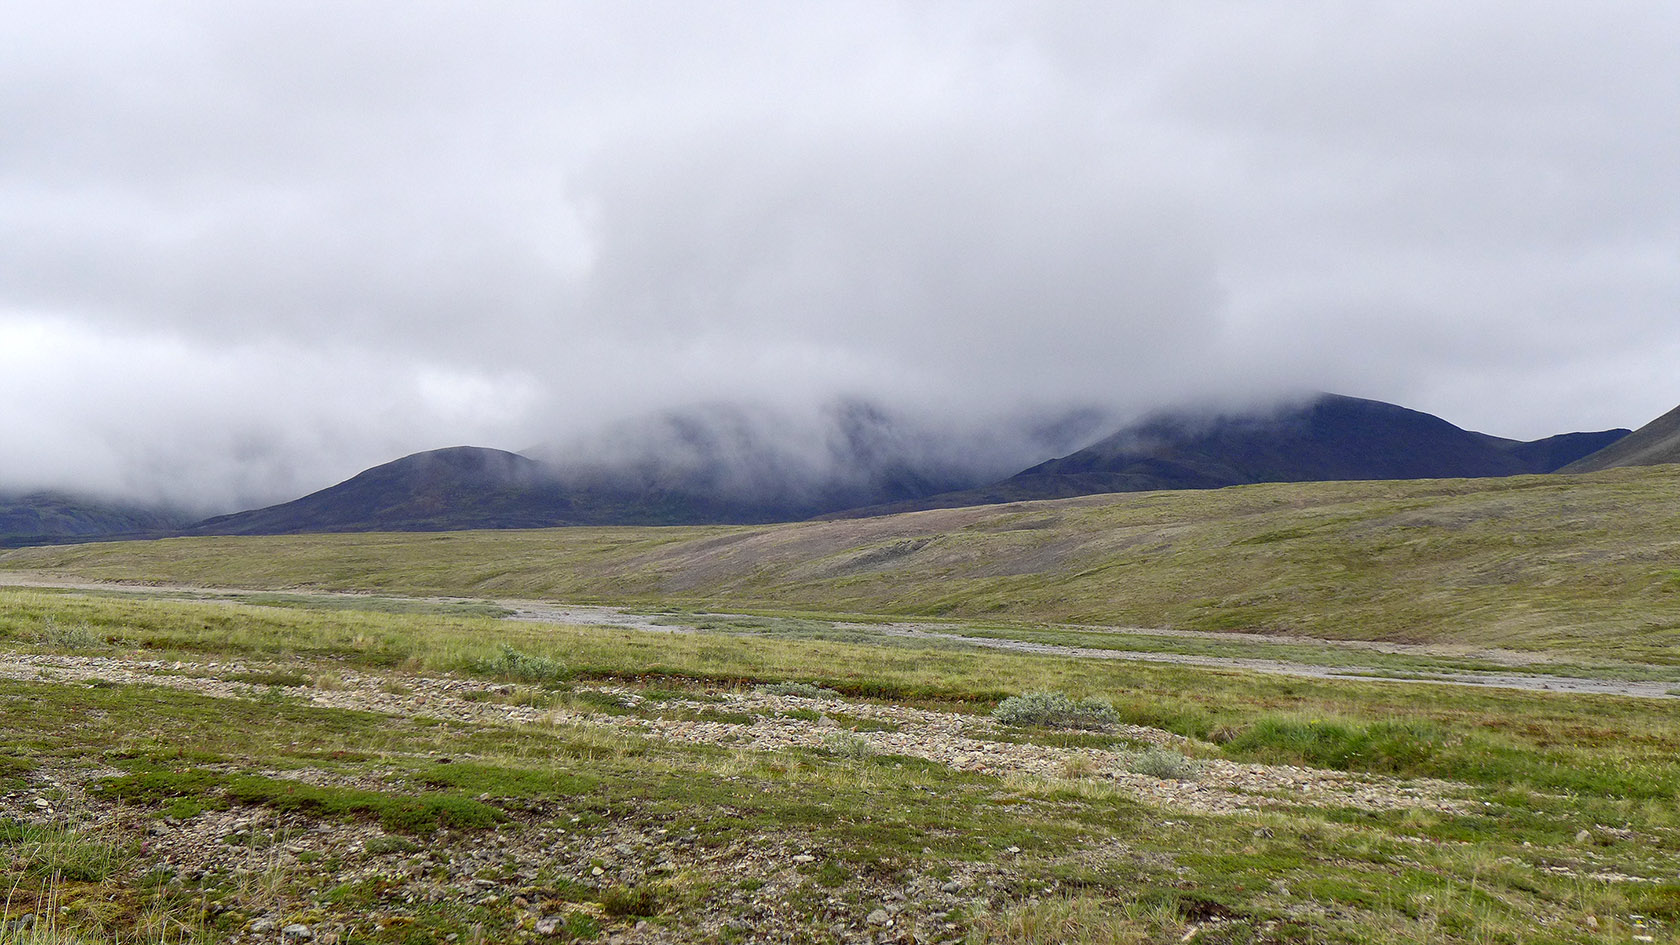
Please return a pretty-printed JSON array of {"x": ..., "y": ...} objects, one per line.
[{"x": 629, "y": 901}]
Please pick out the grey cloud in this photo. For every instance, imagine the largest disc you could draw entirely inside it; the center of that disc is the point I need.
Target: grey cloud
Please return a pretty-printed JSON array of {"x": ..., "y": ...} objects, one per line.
[{"x": 589, "y": 212}]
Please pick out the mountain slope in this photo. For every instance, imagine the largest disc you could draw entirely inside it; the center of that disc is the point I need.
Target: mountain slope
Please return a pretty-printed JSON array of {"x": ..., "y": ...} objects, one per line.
[
  {"x": 456, "y": 488},
  {"x": 1653, "y": 444},
  {"x": 50, "y": 517}
]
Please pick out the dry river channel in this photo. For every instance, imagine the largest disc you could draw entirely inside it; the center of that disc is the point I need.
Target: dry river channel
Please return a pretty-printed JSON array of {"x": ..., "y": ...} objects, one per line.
[{"x": 1507, "y": 669}]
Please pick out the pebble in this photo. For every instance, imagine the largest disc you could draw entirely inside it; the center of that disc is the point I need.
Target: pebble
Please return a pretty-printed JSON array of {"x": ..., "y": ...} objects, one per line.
[{"x": 297, "y": 932}]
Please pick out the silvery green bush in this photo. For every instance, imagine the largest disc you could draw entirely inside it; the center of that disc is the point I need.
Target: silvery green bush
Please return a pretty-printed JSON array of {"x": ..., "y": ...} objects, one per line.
[{"x": 1055, "y": 710}]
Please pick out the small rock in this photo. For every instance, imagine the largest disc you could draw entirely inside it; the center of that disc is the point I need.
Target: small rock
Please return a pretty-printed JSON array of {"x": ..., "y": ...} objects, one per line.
[
  {"x": 297, "y": 932},
  {"x": 548, "y": 925},
  {"x": 1584, "y": 836},
  {"x": 262, "y": 926},
  {"x": 954, "y": 886},
  {"x": 804, "y": 858},
  {"x": 878, "y": 917},
  {"x": 43, "y": 803}
]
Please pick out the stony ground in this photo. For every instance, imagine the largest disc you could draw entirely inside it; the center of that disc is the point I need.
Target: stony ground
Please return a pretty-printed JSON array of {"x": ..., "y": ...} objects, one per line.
[{"x": 964, "y": 742}]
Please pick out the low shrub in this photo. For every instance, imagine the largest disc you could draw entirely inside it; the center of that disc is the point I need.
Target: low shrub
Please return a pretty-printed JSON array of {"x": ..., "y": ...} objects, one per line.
[
  {"x": 522, "y": 667},
  {"x": 78, "y": 636},
  {"x": 1055, "y": 710},
  {"x": 847, "y": 745},
  {"x": 1163, "y": 763}
]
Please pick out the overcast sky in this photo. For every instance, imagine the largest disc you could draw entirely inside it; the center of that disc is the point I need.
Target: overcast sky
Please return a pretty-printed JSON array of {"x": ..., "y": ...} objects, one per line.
[{"x": 248, "y": 249}]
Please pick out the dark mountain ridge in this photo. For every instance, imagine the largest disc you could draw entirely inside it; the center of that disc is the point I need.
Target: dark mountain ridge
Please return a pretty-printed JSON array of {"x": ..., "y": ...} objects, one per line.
[{"x": 1328, "y": 437}]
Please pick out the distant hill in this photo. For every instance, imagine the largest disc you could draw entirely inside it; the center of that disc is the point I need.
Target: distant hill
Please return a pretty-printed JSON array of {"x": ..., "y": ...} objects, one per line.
[
  {"x": 54, "y": 517},
  {"x": 1653, "y": 444},
  {"x": 1328, "y": 438},
  {"x": 457, "y": 488}
]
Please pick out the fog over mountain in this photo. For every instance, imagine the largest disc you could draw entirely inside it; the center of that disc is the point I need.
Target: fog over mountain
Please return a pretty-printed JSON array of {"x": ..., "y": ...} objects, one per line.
[
  {"x": 852, "y": 453},
  {"x": 251, "y": 250}
]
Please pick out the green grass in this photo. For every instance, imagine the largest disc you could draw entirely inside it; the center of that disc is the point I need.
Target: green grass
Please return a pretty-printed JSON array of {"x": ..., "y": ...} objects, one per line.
[
  {"x": 1576, "y": 565},
  {"x": 1381, "y": 747}
]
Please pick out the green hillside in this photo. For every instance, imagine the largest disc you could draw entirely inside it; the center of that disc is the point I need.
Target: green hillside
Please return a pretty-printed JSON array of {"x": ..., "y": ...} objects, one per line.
[
  {"x": 1575, "y": 564},
  {"x": 1653, "y": 444}
]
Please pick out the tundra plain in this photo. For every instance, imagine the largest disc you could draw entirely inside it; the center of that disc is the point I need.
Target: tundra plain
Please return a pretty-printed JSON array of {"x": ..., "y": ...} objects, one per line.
[{"x": 792, "y": 732}]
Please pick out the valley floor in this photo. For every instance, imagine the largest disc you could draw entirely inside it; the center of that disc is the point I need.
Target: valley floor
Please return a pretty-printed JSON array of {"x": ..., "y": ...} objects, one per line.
[{"x": 337, "y": 769}]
